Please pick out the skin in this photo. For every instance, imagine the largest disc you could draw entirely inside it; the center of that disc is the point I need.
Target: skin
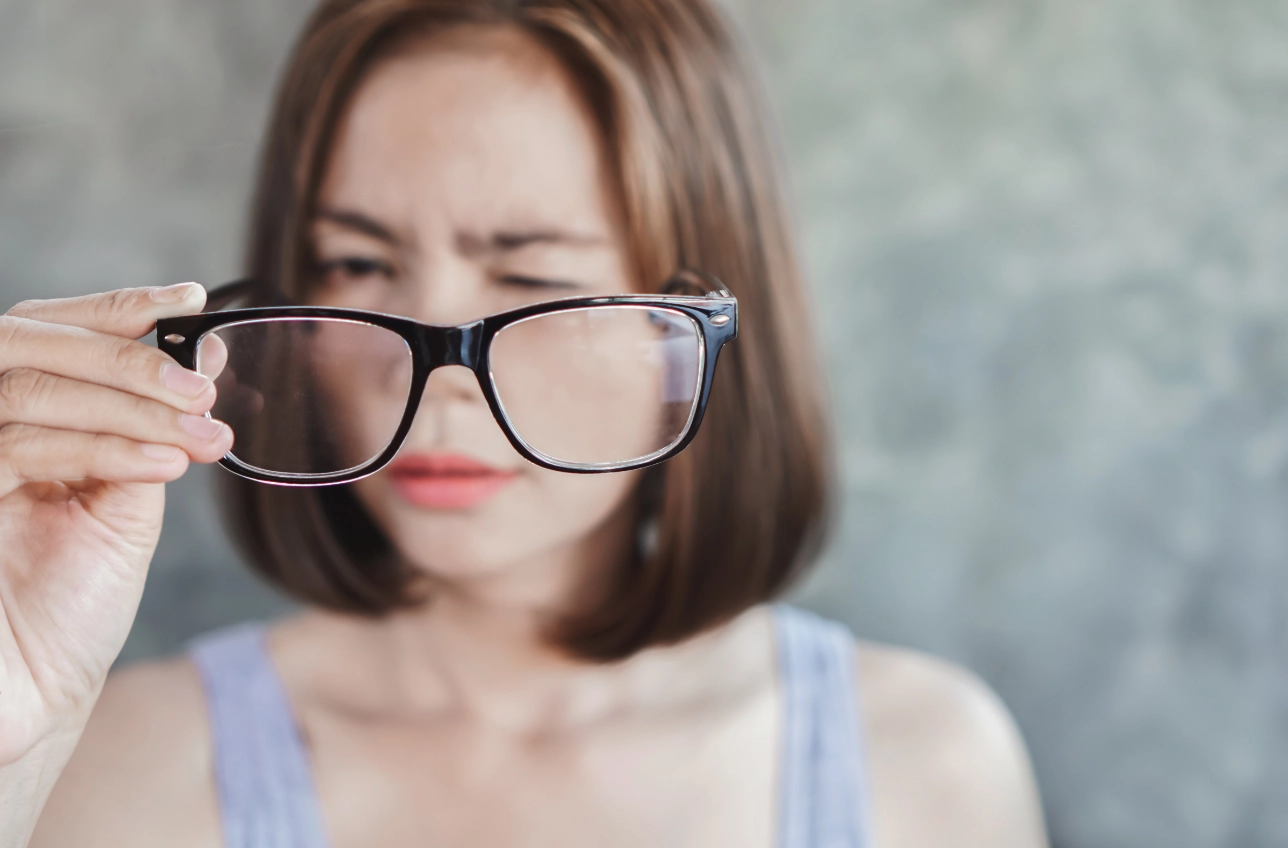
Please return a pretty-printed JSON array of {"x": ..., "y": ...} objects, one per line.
[{"x": 455, "y": 724}]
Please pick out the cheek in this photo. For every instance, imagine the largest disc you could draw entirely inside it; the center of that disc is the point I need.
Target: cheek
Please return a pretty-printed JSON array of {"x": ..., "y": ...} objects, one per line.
[{"x": 539, "y": 513}]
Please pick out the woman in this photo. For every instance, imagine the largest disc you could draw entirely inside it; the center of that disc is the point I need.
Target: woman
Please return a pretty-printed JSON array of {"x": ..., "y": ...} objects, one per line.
[{"x": 495, "y": 652}]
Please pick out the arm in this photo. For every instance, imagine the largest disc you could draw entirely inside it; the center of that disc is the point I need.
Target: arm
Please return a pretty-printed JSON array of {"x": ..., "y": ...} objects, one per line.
[
  {"x": 26, "y": 783},
  {"x": 948, "y": 765},
  {"x": 92, "y": 423},
  {"x": 141, "y": 775}
]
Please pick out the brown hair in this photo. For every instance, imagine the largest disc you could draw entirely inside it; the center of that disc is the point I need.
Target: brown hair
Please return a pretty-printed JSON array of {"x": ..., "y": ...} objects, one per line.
[{"x": 738, "y": 514}]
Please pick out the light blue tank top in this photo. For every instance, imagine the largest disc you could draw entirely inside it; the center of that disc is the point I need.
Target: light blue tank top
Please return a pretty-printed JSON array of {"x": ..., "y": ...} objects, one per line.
[{"x": 267, "y": 797}]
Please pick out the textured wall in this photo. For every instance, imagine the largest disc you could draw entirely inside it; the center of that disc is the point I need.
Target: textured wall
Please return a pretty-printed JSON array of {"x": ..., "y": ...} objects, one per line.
[{"x": 1050, "y": 238}]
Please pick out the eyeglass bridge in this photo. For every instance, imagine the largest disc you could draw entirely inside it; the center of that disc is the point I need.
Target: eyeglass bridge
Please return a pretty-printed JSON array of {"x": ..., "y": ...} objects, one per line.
[{"x": 453, "y": 345}]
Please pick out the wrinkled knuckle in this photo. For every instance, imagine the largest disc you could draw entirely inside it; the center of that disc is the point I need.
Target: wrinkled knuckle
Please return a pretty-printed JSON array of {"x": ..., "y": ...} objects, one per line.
[
  {"x": 21, "y": 389},
  {"x": 130, "y": 358},
  {"x": 11, "y": 329},
  {"x": 102, "y": 443},
  {"x": 119, "y": 355},
  {"x": 115, "y": 303},
  {"x": 13, "y": 439}
]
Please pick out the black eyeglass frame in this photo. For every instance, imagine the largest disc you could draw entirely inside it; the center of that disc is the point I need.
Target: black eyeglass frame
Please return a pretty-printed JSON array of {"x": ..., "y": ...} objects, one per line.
[{"x": 715, "y": 313}]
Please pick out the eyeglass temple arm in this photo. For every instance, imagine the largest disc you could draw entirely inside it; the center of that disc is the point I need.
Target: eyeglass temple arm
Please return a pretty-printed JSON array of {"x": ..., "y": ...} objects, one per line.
[{"x": 696, "y": 282}]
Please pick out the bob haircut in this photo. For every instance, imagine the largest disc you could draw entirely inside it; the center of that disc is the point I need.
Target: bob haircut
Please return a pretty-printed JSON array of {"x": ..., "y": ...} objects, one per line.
[{"x": 726, "y": 524}]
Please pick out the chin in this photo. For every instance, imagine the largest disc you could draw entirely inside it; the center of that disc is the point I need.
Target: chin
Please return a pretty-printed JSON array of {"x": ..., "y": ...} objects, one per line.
[
  {"x": 507, "y": 532},
  {"x": 454, "y": 545}
]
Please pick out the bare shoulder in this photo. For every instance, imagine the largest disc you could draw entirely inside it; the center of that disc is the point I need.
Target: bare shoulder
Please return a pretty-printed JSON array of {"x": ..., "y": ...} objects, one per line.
[
  {"x": 948, "y": 766},
  {"x": 141, "y": 773}
]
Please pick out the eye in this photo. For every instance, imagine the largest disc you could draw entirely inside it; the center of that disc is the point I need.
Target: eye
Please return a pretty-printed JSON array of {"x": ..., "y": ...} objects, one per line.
[
  {"x": 537, "y": 283},
  {"x": 354, "y": 267}
]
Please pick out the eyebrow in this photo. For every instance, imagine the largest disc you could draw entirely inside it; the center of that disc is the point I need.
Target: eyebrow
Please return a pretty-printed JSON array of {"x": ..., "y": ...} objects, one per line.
[
  {"x": 501, "y": 241},
  {"x": 359, "y": 222},
  {"x": 504, "y": 241}
]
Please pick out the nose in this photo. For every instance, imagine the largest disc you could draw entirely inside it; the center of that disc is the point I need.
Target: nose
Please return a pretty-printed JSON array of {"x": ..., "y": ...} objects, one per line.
[
  {"x": 452, "y": 411},
  {"x": 448, "y": 292},
  {"x": 452, "y": 383},
  {"x": 451, "y": 400}
]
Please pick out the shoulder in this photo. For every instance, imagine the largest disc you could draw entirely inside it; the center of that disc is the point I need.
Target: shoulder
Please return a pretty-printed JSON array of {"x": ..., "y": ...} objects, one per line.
[
  {"x": 947, "y": 763},
  {"x": 141, "y": 773}
]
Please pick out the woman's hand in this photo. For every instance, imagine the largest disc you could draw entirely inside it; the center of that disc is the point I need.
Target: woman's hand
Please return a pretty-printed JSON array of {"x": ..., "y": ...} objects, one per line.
[{"x": 92, "y": 423}]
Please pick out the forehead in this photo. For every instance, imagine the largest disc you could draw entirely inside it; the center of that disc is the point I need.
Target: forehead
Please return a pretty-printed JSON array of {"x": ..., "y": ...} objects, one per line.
[{"x": 471, "y": 128}]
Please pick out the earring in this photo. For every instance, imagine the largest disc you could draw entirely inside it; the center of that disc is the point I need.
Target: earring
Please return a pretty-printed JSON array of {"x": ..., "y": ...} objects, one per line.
[{"x": 647, "y": 537}]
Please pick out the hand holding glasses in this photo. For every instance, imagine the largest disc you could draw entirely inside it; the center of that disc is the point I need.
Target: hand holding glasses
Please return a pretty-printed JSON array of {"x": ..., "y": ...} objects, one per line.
[{"x": 326, "y": 395}]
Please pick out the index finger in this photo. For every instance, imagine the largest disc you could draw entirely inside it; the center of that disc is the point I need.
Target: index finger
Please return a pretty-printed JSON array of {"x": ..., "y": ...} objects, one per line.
[{"x": 130, "y": 313}]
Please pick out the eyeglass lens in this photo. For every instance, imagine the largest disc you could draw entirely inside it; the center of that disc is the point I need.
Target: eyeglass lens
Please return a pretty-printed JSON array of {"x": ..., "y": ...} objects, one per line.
[
  {"x": 598, "y": 386},
  {"x": 588, "y": 387}
]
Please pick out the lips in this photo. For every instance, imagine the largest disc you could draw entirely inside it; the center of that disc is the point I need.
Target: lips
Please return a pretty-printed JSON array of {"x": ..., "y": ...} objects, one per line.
[{"x": 446, "y": 481}]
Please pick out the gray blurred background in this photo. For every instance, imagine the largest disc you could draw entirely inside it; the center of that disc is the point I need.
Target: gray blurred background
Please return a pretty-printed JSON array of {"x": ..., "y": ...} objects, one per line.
[{"x": 1050, "y": 240}]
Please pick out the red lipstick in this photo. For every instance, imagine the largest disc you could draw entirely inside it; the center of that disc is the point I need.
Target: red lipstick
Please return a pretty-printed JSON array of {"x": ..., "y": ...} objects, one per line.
[{"x": 446, "y": 481}]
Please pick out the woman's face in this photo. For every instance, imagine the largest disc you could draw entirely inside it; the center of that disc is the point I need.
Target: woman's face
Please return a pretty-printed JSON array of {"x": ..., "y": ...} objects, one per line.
[{"x": 468, "y": 178}]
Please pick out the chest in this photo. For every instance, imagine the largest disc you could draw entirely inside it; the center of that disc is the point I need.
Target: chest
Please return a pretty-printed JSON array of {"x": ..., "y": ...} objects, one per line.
[{"x": 691, "y": 780}]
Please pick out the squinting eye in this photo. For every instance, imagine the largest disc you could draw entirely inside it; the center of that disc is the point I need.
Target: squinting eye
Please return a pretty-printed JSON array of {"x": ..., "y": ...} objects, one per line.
[
  {"x": 520, "y": 281},
  {"x": 355, "y": 267}
]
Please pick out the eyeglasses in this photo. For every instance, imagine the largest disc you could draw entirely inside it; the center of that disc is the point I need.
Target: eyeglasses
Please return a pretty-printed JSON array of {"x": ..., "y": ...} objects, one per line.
[{"x": 326, "y": 395}]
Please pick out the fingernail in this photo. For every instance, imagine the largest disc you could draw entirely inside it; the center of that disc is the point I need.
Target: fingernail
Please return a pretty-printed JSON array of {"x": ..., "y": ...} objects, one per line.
[
  {"x": 202, "y": 427},
  {"x": 185, "y": 382},
  {"x": 173, "y": 294},
  {"x": 161, "y": 453}
]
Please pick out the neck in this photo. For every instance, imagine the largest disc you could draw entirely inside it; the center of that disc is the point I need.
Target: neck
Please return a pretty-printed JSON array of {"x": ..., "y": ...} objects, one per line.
[
  {"x": 479, "y": 650},
  {"x": 493, "y": 665},
  {"x": 481, "y": 645}
]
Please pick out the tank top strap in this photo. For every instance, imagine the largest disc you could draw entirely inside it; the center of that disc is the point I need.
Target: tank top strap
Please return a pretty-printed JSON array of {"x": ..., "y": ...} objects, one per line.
[
  {"x": 823, "y": 791},
  {"x": 267, "y": 798}
]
